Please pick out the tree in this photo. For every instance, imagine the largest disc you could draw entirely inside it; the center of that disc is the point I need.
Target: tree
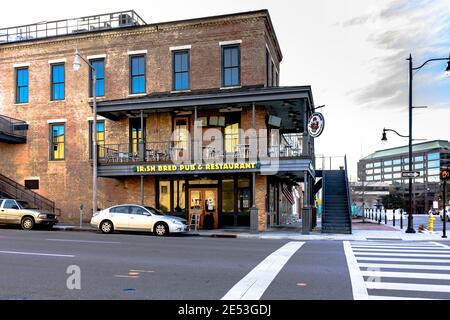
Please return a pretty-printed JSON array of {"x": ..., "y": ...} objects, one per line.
[{"x": 393, "y": 201}]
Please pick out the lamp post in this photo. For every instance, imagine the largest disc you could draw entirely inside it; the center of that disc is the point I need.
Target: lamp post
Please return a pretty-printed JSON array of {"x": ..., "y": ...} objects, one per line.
[
  {"x": 410, "y": 228},
  {"x": 77, "y": 66}
]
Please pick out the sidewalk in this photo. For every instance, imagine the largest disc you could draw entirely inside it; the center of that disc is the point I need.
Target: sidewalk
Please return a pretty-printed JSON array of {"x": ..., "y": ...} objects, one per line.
[{"x": 361, "y": 231}]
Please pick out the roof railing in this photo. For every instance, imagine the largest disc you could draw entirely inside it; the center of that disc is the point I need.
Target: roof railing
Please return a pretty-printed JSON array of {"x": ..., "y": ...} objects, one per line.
[{"x": 42, "y": 30}]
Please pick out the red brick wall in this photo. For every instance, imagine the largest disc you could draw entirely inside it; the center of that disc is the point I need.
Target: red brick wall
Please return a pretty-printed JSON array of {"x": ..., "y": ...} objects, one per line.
[{"x": 69, "y": 182}]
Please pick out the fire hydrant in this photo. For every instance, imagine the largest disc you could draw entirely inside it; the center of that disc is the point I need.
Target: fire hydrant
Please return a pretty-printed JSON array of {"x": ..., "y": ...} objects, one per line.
[{"x": 431, "y": 222}]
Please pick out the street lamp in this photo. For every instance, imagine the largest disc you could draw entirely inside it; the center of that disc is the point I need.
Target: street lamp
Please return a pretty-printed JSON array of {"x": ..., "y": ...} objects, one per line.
[
  {"x": 410, "y": 228},
  {"x": 77, "y": 66}
]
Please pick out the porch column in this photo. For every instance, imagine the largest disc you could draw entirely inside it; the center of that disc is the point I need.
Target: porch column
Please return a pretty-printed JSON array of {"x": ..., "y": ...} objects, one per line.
[
  {"x": 253, "y": 209},
  {"x": 142, "y": 141},
  {"x": 142, "y": 190},
  {"x": 142, "y": 148},
  {"x": 306, "y": 210},
  {"x": 305, "y": 138}
]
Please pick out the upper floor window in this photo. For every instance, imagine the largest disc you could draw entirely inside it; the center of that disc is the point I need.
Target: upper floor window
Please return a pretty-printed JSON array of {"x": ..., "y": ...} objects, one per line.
[
  {"x": 57, "y": 79},
  {"x": 99, "y": 66},
  {"x": 57, "y": 139},
  {"x": 21, "y": 85},
  {"x": 100, "y": 138},
  {"x": 181, "y": 70},
  {"x": 137, "y": 74},
  {"x": 231, "y": 66},
  {"x": 433, "y": 156}
]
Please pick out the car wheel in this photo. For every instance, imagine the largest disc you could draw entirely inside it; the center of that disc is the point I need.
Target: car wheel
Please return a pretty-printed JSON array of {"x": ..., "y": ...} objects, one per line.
[
  {"x": 106, "y": 227},
  {"x": 27, "y": 223},
  {"x": 161, "y": 229}
]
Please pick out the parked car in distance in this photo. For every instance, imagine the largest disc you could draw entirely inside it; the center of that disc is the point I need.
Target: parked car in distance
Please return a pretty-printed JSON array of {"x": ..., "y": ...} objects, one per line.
[
  {"x": 131, "y": 217},
  {"x": 16, "y": 212},
  {"x": 447, "y": 213}
]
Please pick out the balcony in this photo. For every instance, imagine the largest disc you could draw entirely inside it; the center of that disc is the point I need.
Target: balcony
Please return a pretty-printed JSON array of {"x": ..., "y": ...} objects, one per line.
[
  {"x": 12, "y": 130},
  {"x": 164, "y": 152}
]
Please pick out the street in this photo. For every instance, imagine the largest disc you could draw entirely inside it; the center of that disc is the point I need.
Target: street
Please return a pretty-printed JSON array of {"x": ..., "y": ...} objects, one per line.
[
  {"x": 42, "y": 264},
  {"x": 419, "y": 219}
]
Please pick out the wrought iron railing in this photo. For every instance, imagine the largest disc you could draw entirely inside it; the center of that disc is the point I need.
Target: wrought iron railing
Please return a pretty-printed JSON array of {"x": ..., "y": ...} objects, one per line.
[
  {"x": 71, "y": 26},
  {"x": 185, "y": 151},
  {"x": 17, "y": 191}
]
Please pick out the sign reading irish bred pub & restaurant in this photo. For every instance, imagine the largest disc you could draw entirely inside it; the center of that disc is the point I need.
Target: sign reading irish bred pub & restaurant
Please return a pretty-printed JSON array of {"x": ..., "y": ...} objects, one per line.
[{"x": 196, "y": 167}]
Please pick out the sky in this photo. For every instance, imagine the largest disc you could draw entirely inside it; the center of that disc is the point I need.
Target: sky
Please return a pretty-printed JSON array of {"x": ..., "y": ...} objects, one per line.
[{"x": 352, "y": 52}]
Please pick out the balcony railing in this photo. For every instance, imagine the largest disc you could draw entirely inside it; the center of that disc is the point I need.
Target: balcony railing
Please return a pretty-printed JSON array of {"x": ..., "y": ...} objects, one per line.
[
  {"x": 13, "y": 127},
  {"x": 170, "y": 151},
  {"x": 71, "y": 26}
]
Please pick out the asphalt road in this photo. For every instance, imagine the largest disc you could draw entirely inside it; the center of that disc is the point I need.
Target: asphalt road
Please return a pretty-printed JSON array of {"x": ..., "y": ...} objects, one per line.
[
  {"x": 419, "y": 219},
  {"x": 33, "y": 265},
  {"x": 48, "y": 264}
]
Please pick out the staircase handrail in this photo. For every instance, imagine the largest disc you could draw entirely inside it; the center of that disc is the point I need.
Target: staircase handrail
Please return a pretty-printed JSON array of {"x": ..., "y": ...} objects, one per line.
[
  {"x": 27, "y": 194},
  {"x": 349, "y": 201}
]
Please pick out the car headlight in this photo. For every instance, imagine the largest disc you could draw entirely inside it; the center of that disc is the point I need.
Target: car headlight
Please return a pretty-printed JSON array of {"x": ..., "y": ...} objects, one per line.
[
  {"x": 175, "y": 221},
  {"x": 42, "y": 215}
]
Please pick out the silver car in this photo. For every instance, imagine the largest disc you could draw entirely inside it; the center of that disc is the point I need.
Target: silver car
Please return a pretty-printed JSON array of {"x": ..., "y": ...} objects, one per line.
[
  {"x": 132, "y": 217},
  {"x": 17, "y": 213}
]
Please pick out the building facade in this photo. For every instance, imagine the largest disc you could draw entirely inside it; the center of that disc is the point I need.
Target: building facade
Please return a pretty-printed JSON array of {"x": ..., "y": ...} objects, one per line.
[
  {"x": 190, "y": 116},
  {"x": 386, "y": 166}
]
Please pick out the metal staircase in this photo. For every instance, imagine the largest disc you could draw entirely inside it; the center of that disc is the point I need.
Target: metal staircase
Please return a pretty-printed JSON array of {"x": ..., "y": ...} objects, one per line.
[
  {"x": 11, "y": 189},
  {"x": 336, "y": 217},
  {"x": 12, "y": 130}
]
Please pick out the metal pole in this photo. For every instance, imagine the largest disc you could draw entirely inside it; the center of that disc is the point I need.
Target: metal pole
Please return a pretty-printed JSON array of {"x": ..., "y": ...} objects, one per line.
[
  {"x": 393, "y": 217},
  {"x": 410, "y": 228},
  {"x": 444, "y": 196},
  {"x": 385, "y": 216},
  {"x": 94, "y": 143},
  {"x": 401, "y": 218}
]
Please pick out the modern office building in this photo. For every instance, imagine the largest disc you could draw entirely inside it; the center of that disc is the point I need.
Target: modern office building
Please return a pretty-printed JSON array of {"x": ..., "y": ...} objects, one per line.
[
  {"x": 190, "y": 116},
  {"x": 386, "y": 165}
]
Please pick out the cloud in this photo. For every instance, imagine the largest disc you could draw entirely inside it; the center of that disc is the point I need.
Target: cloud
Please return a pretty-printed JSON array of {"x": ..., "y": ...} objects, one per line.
[{"x": 420, "y": 27}]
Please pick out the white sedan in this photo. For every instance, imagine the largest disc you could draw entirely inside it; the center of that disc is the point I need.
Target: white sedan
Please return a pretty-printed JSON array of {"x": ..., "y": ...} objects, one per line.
[{"x": 131, "y": 217}]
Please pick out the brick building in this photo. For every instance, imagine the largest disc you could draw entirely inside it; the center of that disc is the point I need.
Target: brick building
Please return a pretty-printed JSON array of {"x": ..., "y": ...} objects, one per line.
[{"x": 175, "y": 103}]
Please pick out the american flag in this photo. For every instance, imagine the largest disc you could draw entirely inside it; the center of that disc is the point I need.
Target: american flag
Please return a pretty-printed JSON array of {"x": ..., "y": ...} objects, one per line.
[{"x": 288, "y": 194}]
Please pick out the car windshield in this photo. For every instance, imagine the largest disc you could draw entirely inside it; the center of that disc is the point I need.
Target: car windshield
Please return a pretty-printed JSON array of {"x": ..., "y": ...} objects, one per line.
[{"x": 155, "y": 211}]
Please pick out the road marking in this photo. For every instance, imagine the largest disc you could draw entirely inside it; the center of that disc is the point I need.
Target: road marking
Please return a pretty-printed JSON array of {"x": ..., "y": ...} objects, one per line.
[
  {"x": 85, "y": 241},
  {"x": 402, "y": 254},
  {"x": 149, "y": 271},
  {"x": 39, "y": 254},
  {"x": 441, "y": 245},
  {"x": 440, "y": 250},
  {"x": 358, "y": 287},
  {"x": 124, "y": 276},
  {"x": 407, "y": 286},
  {"x": 255, "y": 283},
  {"x": 410, "y": 275},
  {"x": 395, "y": 244},
  {"x": 397, "y": 298},
  {"x": 402, "y": 260},
  {"x": 398, "y": 247},
  {"x": 403, "y": 266}
]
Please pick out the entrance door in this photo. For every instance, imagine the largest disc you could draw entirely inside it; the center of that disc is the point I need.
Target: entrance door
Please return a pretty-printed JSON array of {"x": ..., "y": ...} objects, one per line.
[{"x": 204, "y": 200}]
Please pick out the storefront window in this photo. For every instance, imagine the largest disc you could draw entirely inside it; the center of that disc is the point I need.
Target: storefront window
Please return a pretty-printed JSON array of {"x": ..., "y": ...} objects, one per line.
[
  {"x": 164, "y": 196},
  {"x": 203, "y": 181},
  {"x": 179, "y": 196},
  {"x": 228, "y": 195},
  {"x": 244, "y": 194}
]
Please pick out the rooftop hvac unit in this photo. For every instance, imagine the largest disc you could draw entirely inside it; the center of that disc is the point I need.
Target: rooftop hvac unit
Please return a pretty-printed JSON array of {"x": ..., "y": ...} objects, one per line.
[{"x": 125, "y": 20}]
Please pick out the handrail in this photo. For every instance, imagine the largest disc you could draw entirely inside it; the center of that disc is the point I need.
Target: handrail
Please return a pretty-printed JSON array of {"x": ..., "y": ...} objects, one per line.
[
  {"x": 18, "y": 191},
  {"x": 349, "y": 202}
]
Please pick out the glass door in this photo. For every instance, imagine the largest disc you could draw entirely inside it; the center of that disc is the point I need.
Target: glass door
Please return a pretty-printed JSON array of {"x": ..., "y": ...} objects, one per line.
[{"x": 203, "y": 201}]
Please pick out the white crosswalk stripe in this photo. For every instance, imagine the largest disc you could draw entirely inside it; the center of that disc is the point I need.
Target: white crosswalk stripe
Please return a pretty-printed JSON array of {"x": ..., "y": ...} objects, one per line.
[{"x": 397, "y": 270}]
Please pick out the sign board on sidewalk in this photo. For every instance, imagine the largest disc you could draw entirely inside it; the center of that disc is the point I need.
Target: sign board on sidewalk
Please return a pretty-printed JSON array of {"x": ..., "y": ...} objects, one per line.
[
  {"x": 410, "y": 174},
  {"x": 435, "y": 205}
]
